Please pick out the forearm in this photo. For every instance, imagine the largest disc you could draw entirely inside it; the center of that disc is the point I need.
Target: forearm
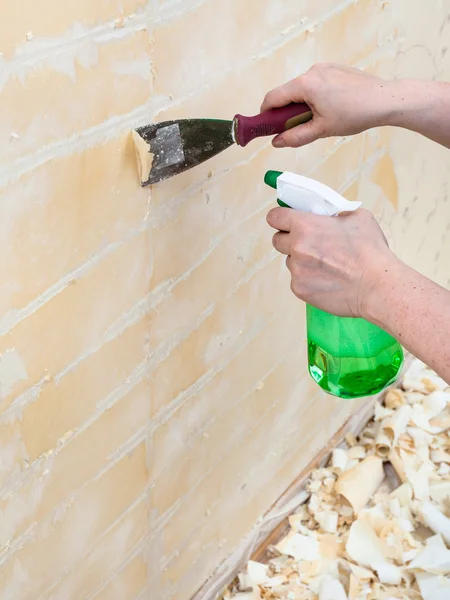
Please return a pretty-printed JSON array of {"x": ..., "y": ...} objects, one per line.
[
  {"x": 420, "y": 106},
  {"x": 416, "y": 311}
]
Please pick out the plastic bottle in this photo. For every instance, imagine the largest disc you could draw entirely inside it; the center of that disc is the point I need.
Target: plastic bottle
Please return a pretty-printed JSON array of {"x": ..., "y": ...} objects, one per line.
[{"x": 347, "y": 357}]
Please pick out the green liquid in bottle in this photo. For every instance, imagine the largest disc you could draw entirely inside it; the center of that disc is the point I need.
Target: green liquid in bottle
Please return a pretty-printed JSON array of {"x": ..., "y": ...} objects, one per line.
[{"x": 350, "y": 358}]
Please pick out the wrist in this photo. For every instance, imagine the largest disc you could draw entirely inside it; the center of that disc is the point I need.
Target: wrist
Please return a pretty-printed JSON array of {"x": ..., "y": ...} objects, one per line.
[
  {"x": 379, "y": 282},
  {"x": 410, "y": 102}
]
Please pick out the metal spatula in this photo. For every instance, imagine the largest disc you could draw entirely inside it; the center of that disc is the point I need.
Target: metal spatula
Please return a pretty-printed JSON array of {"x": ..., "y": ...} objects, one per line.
[{"x": 169, "y": 148}]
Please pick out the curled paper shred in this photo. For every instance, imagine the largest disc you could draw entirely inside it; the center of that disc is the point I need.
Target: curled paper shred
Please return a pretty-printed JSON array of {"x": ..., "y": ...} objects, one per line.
[
  {"x": 257, "y": 573},
  {"x": 391, "y": 428},
  {"x": 375, "y": 523},
  {"x": 435, "y": 520},
  {"x": 300, "y": 547},
  {"x": 364, "y": 546},
  {"x": 331, "y": 588},
  {"x": 388, "y": 573},
  {"x": 358, "y": 484},
  {"x": 434, "y": 558},
  {"x": 339, "y": 459},
  {"x": 433, "y": 587}
]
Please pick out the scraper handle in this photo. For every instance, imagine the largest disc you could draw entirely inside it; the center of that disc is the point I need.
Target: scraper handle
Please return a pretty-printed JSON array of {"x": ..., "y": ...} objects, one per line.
[{"x": 270, "y": 122}]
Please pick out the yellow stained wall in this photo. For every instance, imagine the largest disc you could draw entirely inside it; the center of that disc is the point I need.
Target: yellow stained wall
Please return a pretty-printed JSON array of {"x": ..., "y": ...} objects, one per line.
[{"x": 153, "y": 390}]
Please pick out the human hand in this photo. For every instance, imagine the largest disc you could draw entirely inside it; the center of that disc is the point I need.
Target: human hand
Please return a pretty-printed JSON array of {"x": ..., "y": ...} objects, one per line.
[
  {"x": 336, "y": 263},
  {"x": 343, "y": 100}
]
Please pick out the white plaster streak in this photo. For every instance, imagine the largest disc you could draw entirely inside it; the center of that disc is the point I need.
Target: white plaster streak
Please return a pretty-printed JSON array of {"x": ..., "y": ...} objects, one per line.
[
  {"x": 372, "y": 160},
  {"x": 133, "y": 379},
  {"x": 13, "y": 588},
  {"x": 258, "y": 480},
  {"x": 138, "y": 550},
  {"x": 164, "y": 518},
  {"x": 79, "y": 43},
  {"x": 12, "y": 370},
  {"x": 175, "y": 9},
  {"x": 164, "y": 350},
  {"x": 118, "y": 327},
  {"x": 145, "y": 594},
  {"x": 98, "y": 542},
  {"x": 120, "y": 453},
  {"x": 137, "y": 312},
  {"x": 136, "y": 376},
  {"x": 14, "y": 410},
  {"x": 389, "y": 49},
  {"x": 259, "y": 266},
  {"x": 167, "y": 411},
  {"x": 294, "y": 31},
  {"x": 77, "y": 143},
  {"x": 10, "y": 544},
  {"x": 14, "y": 317},
  {"x": 58, "y": 512},
  {"x": 167, "y": 414},
  {"x": 61, "y": 54},
  {"x": 139, "y": 68}
]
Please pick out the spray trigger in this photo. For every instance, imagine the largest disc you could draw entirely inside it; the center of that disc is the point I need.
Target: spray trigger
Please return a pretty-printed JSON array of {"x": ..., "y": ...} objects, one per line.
[{"x": 308, "y": 195}]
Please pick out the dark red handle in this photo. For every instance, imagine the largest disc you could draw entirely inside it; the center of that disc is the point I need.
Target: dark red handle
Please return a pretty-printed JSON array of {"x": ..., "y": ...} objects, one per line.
[{"x": 270, "y": 122}]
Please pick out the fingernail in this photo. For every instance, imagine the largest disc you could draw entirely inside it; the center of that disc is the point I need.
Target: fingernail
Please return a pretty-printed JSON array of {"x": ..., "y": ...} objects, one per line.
[{"x": 279, "y": 143}]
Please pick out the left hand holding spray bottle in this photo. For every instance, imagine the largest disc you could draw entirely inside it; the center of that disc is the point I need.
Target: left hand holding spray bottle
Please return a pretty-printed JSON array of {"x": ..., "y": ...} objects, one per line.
[{"x": 335, "y": 264}]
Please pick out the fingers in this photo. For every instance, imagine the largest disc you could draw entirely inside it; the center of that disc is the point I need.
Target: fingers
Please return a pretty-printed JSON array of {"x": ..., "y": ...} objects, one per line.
[
  {"x": 300, "y": 135},
  {"x": 281, "y": 243},
  {"x": 280, "y": 218},
  {"x": 292, "y": 91}
]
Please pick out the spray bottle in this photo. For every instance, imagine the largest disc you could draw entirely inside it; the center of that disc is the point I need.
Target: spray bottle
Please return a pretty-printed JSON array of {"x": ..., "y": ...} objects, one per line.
[{"x": 347, "y": 357}]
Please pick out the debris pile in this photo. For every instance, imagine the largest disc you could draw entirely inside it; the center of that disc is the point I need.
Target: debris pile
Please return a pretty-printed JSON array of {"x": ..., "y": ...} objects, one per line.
[{"x": 376, "y": 524}]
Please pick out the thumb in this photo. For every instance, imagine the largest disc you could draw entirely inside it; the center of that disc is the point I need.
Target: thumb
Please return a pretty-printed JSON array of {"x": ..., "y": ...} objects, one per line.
[{"x": 299, "y": 136}]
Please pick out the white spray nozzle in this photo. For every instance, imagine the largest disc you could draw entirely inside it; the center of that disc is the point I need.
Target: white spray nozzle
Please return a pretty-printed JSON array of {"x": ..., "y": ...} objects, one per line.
[{"x": 308, "y": 195}]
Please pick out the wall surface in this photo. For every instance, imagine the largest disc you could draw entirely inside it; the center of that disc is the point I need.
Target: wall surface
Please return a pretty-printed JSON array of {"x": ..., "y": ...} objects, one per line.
[{"x": 153, "y": 391}]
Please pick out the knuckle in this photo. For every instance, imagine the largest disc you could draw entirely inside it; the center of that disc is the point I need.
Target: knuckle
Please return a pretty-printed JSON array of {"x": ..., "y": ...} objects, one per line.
[
  {"x": 297, "y": 248},
  {"x": 294, "y": 139},
  {"x": 270, "y": 216},
  {"x": 276, "y": 240},
  {"x": 268, "y": 97},
  {"x": 311, "y": 225},
  {"x": 363, "y": 213},
  {"x": 296, "y": 288},
  {"x": 296, "y": 252},
  {"x": 321, "y": 129}
]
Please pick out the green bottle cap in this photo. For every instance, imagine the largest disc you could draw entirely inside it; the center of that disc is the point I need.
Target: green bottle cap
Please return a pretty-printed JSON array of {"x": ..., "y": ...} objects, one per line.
[{"x": 271, "y": 177}]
